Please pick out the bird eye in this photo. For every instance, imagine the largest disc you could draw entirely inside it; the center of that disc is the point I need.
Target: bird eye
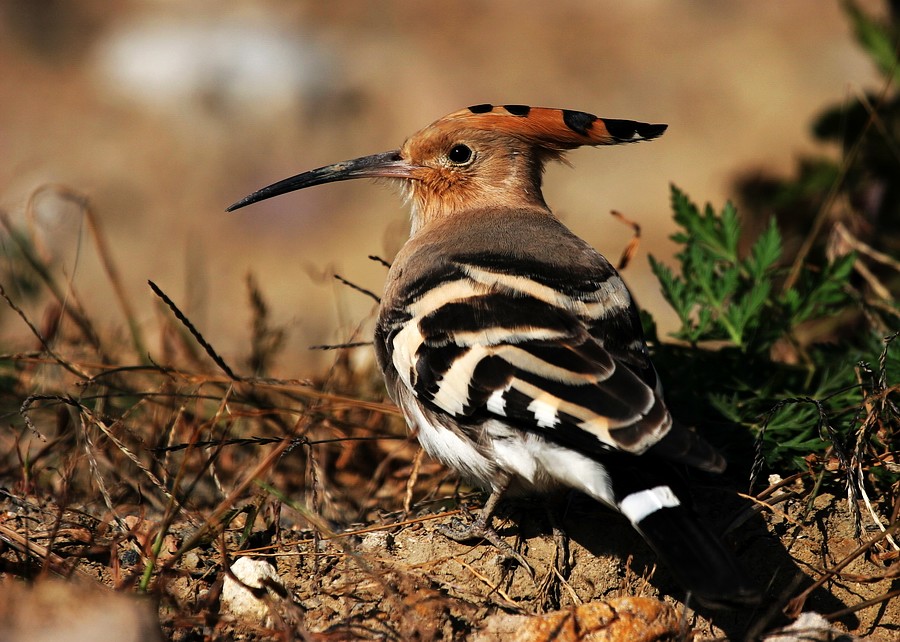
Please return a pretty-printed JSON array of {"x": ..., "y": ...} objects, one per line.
[{"x": 459, "y": 154}]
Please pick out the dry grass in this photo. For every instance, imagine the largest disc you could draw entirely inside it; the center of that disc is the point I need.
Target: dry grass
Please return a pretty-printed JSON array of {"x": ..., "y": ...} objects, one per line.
[{"x": 150, "y": 471}]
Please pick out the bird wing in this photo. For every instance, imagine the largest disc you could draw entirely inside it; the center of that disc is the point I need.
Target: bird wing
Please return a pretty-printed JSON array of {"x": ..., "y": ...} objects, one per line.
[{"x": 549, "y": 353}]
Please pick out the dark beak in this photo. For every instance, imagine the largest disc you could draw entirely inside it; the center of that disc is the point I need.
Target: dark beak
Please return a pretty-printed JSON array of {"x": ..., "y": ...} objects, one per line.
[{"x": 384, "y": 165}]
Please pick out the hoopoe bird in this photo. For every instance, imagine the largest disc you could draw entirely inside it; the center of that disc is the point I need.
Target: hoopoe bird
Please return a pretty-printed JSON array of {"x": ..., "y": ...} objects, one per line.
[{"x": 514, "y": 349}]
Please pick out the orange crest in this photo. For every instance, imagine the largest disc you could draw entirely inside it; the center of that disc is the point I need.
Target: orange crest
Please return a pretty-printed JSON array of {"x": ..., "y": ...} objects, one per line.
[{"x": 552, "y": 128}]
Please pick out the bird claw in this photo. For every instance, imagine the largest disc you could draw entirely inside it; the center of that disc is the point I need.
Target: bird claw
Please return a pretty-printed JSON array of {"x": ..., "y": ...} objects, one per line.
[
  {"x": 456, "y": 530},
  {"x": 459, "y": 532}
]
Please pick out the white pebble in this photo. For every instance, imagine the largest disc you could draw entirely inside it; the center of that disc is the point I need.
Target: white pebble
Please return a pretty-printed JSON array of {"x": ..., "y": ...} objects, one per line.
[{"x": 240, "y": 601}]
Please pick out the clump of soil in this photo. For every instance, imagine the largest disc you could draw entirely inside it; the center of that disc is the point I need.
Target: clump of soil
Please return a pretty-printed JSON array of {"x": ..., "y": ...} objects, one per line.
[{"x": 392, "y": 576}]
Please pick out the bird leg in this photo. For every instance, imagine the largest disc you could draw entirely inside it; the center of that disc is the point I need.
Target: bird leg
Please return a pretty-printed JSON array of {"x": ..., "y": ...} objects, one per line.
[
  {"x": 481, "y": 528},
  {"x": 549, "y": 589},
  {"x": 561, "y": 539}
]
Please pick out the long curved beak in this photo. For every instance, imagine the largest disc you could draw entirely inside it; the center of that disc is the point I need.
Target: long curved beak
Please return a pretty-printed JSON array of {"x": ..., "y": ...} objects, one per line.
[{"x": 384, "y": 165}]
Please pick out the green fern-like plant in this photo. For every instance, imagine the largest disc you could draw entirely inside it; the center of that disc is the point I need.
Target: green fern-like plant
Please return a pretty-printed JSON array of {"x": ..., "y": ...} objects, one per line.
[
  {"x": 721, "y": 295},
  {"x": 737, "y": 315}
]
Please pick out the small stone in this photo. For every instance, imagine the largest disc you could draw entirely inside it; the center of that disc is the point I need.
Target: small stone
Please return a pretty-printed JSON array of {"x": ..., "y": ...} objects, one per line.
[
  {"x": 129, "y": 557},
  {"x": 377, "y": 542},
  {"x": 240, "y": 601},
  {"x": 191, "y": 560}
]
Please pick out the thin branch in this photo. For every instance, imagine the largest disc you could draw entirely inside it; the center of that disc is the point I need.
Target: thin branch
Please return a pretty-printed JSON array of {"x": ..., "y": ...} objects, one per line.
[
  {"x": 631, "y": 249},
  {"x": 112, "y": 272},
  {"x": 359, "y": 289},
  {"x": 795, "y": 606},
  {"x": 833, "y": 192},
  {"x": 340, "y": 346},
  {"x": 194, "y": 332}
]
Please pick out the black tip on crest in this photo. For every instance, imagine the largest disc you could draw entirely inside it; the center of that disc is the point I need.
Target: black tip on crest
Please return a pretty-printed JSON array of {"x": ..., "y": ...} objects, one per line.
[
  {"x": 626, "y": 130},
  {"x": 481, "y": 109},
  {"x": 517, "y": 110},
  {"x": 578, "y": 121},
  {"x": 648, "y": 131}
]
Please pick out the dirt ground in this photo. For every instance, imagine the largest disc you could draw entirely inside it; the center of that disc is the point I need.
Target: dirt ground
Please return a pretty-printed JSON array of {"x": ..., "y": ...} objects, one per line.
[{"x": 349, "y": 520}]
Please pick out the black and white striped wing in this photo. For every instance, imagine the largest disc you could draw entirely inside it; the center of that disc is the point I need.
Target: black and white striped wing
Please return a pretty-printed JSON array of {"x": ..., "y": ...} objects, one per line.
[{"x": 568, "y": 363}]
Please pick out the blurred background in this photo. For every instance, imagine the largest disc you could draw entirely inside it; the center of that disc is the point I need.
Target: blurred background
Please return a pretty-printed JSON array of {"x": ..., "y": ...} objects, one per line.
[{"x": 163, "y": 113}]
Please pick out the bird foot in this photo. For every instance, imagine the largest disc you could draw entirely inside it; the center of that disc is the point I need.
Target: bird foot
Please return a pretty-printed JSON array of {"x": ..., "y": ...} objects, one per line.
[
  {"x": 561, "y": 558},
  {"x": 479, "y": 529}
]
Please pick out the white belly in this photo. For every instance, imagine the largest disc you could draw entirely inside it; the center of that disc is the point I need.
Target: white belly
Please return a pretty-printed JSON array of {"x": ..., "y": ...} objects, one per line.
[{"x": 536, "y": 464}]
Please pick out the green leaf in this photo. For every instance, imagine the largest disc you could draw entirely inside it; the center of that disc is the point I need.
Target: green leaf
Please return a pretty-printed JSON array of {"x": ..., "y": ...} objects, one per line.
[
  {"x": 766, "y": 251},
  {"x": 730, "y": 232}
]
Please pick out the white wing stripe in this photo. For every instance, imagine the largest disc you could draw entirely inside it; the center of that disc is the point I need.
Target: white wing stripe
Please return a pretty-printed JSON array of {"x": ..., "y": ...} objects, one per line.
[
  {"x": 526, "y": 361},
  {"x": 544, "y": 410},
  {"x": 443, "y": 294},
  {"x": 496, "y": 403},
  {"x": 405, "y": 344},
  {"x": 453, "y": 391},
  {"x": 498, "y": 335},
  {"x": 611, "y": 296}
]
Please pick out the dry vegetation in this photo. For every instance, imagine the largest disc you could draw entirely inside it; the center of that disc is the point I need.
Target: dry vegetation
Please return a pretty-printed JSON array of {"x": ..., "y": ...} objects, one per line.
[
  {"x": 141, "y": 457},
  {"x": 152, "y": 471}
]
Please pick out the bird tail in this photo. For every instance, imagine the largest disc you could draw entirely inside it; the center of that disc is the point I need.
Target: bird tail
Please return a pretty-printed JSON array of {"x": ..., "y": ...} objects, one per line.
[{"x": 697, "y": 559}]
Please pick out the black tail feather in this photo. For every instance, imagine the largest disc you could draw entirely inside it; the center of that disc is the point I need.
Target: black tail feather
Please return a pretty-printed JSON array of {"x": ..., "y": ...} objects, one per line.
[
  {"x": 697, "y": 558},
  {"x": 658, "y": 504}
]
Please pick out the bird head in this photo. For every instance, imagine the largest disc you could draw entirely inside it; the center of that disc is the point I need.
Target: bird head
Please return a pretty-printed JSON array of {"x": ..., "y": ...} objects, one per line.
[{"x": 480, "y": 157}]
